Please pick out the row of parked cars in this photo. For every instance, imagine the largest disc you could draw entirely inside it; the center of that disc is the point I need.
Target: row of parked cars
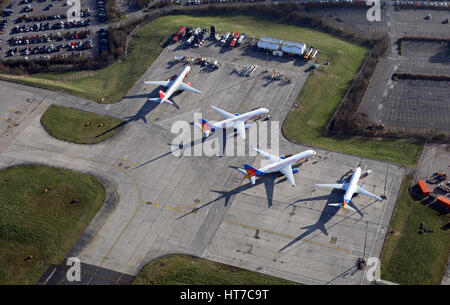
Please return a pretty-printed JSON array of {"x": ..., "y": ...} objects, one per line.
[
  {"x": 421, "y": 3},
  {"x": 104, "y": 40},
  {"x": 18, "y": 40},
  {"x": 46, "y": 26},
  {"x": 71, "y": 46},
  {"x": 3, "y": 25},
  {"x": 21, "y": 40},
  {"x": 101, "y": 11},
  {"x": 343, "y": 2},
  {"x": 26, "y": 18},
  {"x": 196, "y": 2}
]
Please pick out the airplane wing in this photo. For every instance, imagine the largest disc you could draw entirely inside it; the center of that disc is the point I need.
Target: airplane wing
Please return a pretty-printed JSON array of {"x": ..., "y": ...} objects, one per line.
[
  {"x": 266, "y": 155},
  {"x": 333, "y": 186},
  {"x": 223, "y": 113},
  {"x": 240, "y": 127},
  {"x": 183, "y": 86},
  {"x": 367, "y": 193},
  {"x": 287, "y": 171},
  {"x": 159, "y": 83}
]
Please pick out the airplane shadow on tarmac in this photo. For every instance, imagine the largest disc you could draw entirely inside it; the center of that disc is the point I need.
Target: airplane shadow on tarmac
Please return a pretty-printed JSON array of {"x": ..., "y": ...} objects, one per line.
[
  {"x": 327, "y": 214},
  {"x": 146, "y": 108},
  {"x": 181, "y": 148},
  {"x": 268, "y": 180},
  {"x": 227, "y": 195}
]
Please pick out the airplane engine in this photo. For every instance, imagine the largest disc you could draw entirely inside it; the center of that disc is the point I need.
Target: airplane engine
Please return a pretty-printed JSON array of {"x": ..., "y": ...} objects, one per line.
[{"x": 295, "y": 170}]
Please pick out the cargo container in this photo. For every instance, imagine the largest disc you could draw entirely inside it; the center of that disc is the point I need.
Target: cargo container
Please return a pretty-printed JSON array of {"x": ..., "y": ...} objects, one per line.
[
  {"x": 423, "y": 187},
  {"x": 443, "y": 201}
]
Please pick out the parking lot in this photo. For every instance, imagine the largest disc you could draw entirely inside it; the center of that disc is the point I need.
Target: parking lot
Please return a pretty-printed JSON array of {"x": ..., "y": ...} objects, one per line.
[
  {"x": 411, "y": 22},
  {"x": 423, "y": 57},
  {"x": 417, "y": 105},
  {"x": 405, "y": 22},
  {"x": 353, "y": 18},
  {"x": 411, "y": 106},
  {"x": 44, "y": 29}
]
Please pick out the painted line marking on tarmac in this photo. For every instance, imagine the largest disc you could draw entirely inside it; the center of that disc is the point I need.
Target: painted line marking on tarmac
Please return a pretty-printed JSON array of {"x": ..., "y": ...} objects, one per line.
[
  {"x": 288, "y": 236},
  {"x": 349, "y": 251},
  {"x": 74, "y": 157},
  {"x": 157, "y": 115}
]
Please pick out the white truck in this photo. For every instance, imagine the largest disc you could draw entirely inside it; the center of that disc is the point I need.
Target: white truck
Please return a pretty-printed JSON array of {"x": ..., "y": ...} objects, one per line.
[{"x": 224, "y": 38}]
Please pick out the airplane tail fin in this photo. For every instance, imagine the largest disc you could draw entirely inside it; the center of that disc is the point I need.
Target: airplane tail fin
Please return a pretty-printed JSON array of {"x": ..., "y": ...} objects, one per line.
[
  {"x": 206, "y": 127},
  {"x": 251, "y": 173},
  {"x": 248, "y": 175}
]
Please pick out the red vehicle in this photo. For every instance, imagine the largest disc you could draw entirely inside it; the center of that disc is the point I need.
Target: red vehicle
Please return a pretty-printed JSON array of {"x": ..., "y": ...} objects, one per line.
[
  {"x": 236, "y": 37},
  {"x": 180, "y": 33}
]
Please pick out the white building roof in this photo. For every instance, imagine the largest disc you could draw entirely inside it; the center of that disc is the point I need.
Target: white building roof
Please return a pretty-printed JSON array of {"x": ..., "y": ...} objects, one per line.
[
  {"x": 293, "y": 50},
  {"x": 295, "y": 44},
  {"x": 267, "y": 45},
  {"x": 272, "y": 40},
  {"x": 286, "y": 46}
]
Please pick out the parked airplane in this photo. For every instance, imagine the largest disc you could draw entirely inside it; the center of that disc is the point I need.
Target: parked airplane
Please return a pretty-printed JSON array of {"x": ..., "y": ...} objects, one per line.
[
  {"x": 173, "y": 86},
  {"x": 280, "y": 164},
  {"x": 236, "y": 121},
  {"x": 350, "y": 188}
]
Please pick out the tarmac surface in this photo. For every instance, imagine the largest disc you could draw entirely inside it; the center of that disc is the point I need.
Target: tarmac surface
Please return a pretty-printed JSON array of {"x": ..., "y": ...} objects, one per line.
[{"x": 169, "y": 202}]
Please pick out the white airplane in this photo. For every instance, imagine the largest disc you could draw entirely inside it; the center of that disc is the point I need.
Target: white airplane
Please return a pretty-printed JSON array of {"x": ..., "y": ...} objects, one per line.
[
  {"x": 350, "y": 189},
  {"x": 280, "y": 164},
  {"x": 173, "y": 86},
  {"x": 236, "y": 121}
]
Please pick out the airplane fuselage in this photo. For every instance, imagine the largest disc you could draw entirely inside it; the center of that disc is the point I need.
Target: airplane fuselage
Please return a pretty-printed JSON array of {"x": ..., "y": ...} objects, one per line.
[
  {"x": 176, "y": 83},
  {"x": 352, "y": 185},
  {"x": 231, "y": 122},
  {"x": 276, "y": 166}
]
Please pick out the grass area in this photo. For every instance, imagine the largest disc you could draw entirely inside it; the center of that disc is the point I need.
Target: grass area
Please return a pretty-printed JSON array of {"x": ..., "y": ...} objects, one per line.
[
  {"x": 44, "y": 225},
  {"x": 69, "y": 124},
  {"x": 190, "y": 270},
  {"x": 113, "y": 82},
  {"x": 318, "y": 98},
  {"x": 3, "y": 5},
  {"x": 409, "y": 257}
]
